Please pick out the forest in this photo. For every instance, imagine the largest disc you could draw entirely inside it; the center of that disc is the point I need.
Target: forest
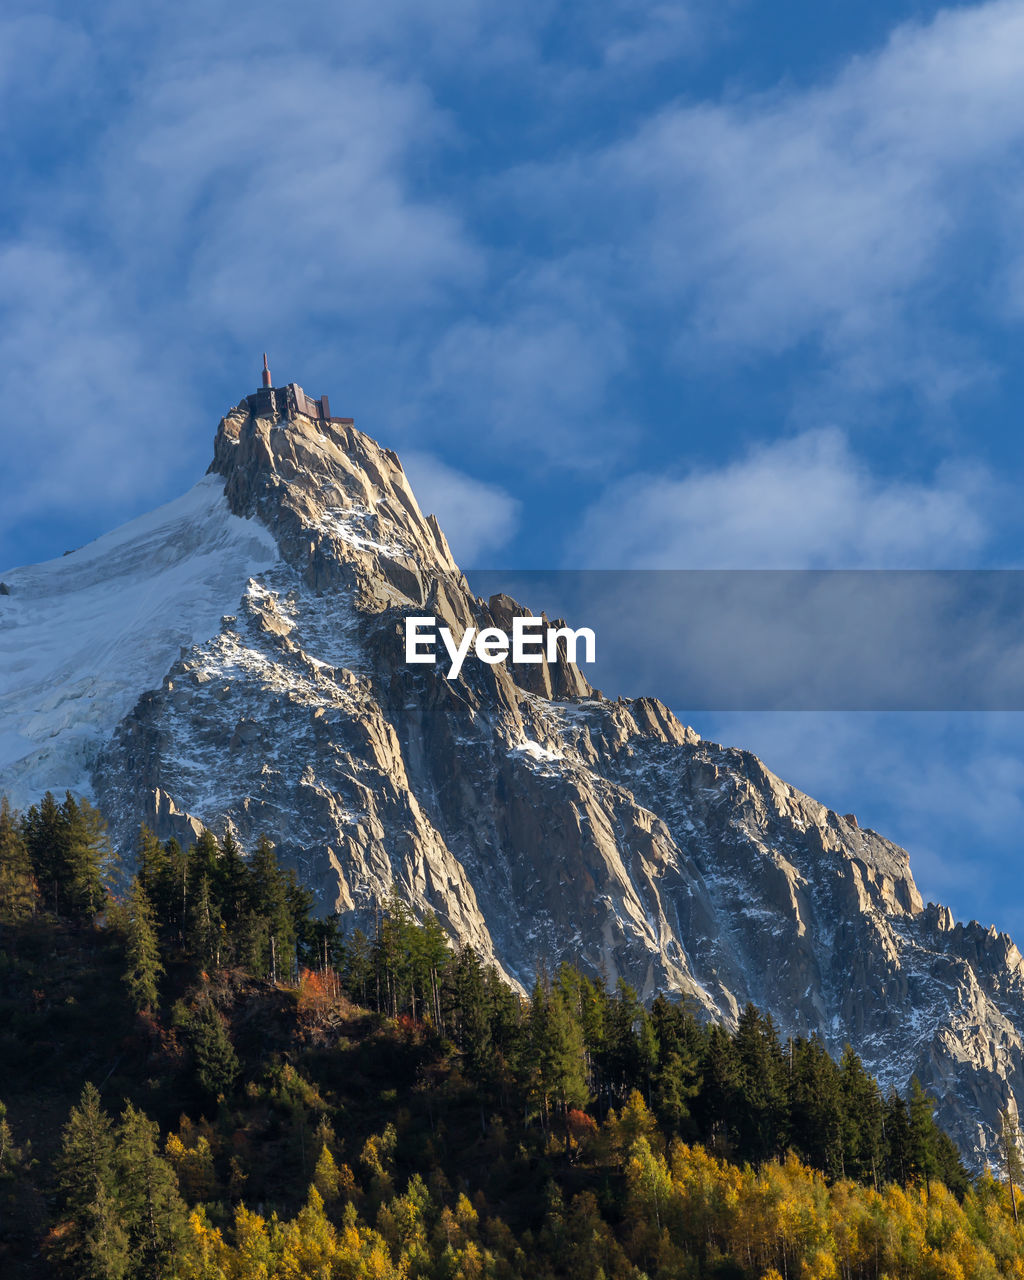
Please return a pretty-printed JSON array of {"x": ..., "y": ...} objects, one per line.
[{"x": 202, "y": 1079}]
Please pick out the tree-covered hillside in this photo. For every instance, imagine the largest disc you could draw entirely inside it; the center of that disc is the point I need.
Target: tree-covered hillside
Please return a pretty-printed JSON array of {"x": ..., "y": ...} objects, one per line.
[{"x": 200, "y": 1079}]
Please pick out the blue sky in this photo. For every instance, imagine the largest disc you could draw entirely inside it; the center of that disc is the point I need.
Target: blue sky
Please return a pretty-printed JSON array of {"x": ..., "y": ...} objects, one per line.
[{"x": 670, "y": 284}]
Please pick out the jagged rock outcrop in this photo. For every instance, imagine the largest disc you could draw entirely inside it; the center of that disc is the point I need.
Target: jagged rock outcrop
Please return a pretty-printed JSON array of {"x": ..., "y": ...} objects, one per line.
[{"x": 539, "y": 820}]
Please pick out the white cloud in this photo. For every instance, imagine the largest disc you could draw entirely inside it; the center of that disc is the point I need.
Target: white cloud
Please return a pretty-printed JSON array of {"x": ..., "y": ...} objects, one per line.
[
  {"x": 240, "y": 197},
  {"x": 834, "y": 216},
  {"x": 259, "y": 189},
  {"x": 296, "y": 182},
  {"x": 535, "y": 379},
  {"x": 88, "y": 419},
  {"x": 477, "y": 518},
  {"x": 806, "y": 502}
]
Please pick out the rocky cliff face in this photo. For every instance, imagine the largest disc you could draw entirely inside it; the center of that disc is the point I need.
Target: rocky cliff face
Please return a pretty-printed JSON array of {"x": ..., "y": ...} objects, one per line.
[{"x": 539, "y": 820}]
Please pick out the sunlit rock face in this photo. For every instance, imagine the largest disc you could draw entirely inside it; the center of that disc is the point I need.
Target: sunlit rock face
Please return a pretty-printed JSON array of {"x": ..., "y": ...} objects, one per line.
[{"x": 269, "y": 690}]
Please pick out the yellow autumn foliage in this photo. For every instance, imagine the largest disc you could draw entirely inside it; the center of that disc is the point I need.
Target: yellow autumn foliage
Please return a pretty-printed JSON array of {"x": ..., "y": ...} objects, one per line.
[{"x": 683, "y": 1214}]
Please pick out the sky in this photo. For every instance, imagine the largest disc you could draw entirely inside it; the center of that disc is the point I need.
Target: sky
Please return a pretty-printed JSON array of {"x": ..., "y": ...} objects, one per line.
[{"x": 663, "y": 285}]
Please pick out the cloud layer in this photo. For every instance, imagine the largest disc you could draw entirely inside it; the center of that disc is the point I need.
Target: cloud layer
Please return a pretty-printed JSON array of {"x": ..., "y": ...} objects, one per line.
[
  {"x": 803, "y": 503},
  {"x": 527, "y": 225},
  {"x": 477, "y": 518}
]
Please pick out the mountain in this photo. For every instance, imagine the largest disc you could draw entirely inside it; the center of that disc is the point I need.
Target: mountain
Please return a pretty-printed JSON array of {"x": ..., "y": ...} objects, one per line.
[{"x": 238, "y": 657}]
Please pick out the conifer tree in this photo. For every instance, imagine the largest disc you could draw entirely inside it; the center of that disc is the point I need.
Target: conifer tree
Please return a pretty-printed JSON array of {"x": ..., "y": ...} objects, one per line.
[
  {"x": 677, "y": 1081},
  {"x": 949, "y": 1166},
  {"x": 87, "y": 1150},
  {"x": 305, "y": 930},
  {"x": 897, "y": 1139},
  {"x": 18, "y": 892},
  {"x": 556, "y": 1041},
  {"x": 204, "y": 857},
  {"x": 204, "y": 928},
  {"x": 142, "y": 951},
  {"x": 45, "y": 832},
  {"x": 675, "y": 1085},
  {"x": 216, "y": 1061},
  {"x": 762, "y": 1115},
  {"x": 106, "y": 1252},
  {"x": 231, "y": 876},
  {"x": 178, "y": 887},
  {"x": 471, "y": 1026},
  {"x": 152, "y": 1210},
  {"x": 719, "y": 1097},
  {"x": 430, "y": 958},
  {"x": 268, "y": 898},
  {"x": 815, "y": 1106},
  {"x": 156, "y": 875},
  {"x": 862, "y": 1121},
  {"x": 621, "y": 1059},
  {"x": 89, "y": 859},
  {"x": 392, "y": 953},
  {"x": 1009, "y": 1142},
  {"x": 96, "y": 1244},
  {"x": 923, "y": 1133},
  {"x": 359, "y": 966}
]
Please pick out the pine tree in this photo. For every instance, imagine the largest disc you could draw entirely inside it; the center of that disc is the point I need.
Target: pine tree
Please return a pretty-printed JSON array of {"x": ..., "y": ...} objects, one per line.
[
  {"x": 18, "y": 892},
  {"x": 1009, "y": 1142},
  {"x": 508, "y": 1024},
  {"x": 87, "y": 1151},
  {"x": 471, "y": 1026},
  {"x": 231, "y": 876},
  {"x": 204, "y": 929},
  {"x": 648, "y": 1051},
  {"x": 923, "y": 1133},
  {"x": 676, "y": 1083},
  {"x": 306, "y": 931},
  {"x": 178, "y": 860},
  {"x": 718, "y": 1101},
  {"x": 621, "y": 1059},
  {"x": 96, "y": 1244},
  {"x": 761, "y": 1119},
  {"x": 142, "y": 952},
  {"x": 45, "y": 832},
  {"x": 556, "y": 1041},
  {"x": 90, "y": 862},
  {"x": 216, "y": 1062},
  {"x": 899, "y": 1161},
  {"x": 862, "y": 1121},
  {"x": 156, "y": 875},
  {"x": 106, "y": 1252},
  {"x": 268, "y": 899},
  {"x": 677, "y": 1080},
  {"x": 204, "y": 857},
  {"x": 358, "y": 966},
  {"x": 815, "y": 1106},
  {"x": 152, "y": 1210}
]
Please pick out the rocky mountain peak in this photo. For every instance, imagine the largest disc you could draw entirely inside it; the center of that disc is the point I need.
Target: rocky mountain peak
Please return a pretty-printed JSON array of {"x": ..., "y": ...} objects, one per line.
[
  {"x": 539, "y": 820},
  {"x": 304, "y": 476}
]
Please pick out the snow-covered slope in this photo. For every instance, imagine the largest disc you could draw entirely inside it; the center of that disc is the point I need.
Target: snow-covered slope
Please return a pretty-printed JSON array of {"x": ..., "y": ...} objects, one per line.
[{"x": 83, "y": 636}]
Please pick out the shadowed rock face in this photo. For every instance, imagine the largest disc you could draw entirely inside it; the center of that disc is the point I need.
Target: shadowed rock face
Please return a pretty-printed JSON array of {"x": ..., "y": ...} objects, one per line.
[{"x": 540, "y": 821}]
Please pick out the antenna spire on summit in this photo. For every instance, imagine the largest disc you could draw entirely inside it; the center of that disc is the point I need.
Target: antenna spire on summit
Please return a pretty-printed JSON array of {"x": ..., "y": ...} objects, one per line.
[{"x": 266, "y": 372}]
